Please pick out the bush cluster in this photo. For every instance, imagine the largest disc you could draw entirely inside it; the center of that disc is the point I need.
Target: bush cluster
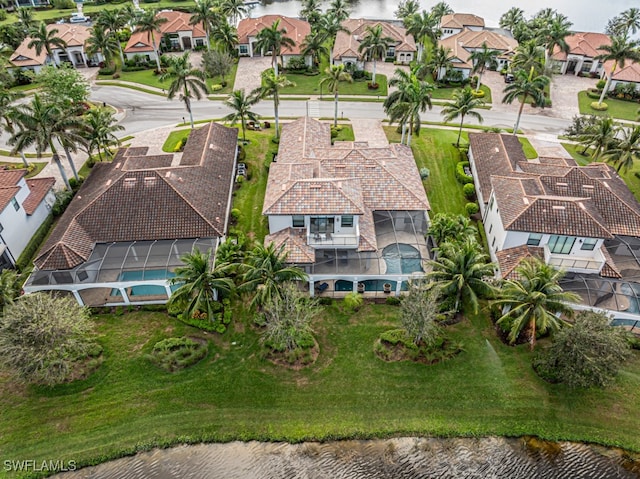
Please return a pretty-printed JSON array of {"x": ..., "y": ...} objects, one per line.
[
  {"x": 461, "y": 176},
  {"x": 174, "y": 354}
]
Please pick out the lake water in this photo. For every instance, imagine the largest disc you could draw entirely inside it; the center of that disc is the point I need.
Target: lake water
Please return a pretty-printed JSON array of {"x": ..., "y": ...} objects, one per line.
[
  {"x": 586, "y": 15},
  {"x": 486, "y": 458}
]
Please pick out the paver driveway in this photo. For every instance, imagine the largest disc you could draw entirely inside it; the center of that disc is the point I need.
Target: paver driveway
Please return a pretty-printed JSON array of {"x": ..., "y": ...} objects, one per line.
[{"x": 249, "y": 70}]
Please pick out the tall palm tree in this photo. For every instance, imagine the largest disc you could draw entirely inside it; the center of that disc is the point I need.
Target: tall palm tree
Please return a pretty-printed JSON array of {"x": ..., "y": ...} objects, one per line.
[
  {"x": 7, "y": 99},
  {"x": 205, "y": 12},
  {"x": 43, "y": 125},
  {"x": 534, "y": 300},
  {"x": 273, "y": 39},
  {"x": 462, "y": 270},
  {"x": 630, "y": 20},
  {"x": 334, "y": 75},
  {"x": 622, "y": 152},
  {"x": 329, "y": 25},
  {"x": 150, "y": 23},
  {"x": 598, "y": 136},
  {"x": 441, "y": 9},
  {"x": 26, "y": 19},
  {"x": 101, "y": 127},
  {"x": 189, "y": 82},
  {"x": 113, "y": 21},
  {"x": 271, "y": 86},
  {"x": 241, "y": 105},
  {"x": 375, "y": 45},
  {"x": 525, "y": 86},
  {"x": 46, "y": 39},
  {"x": 226, "y": 36},
  {"x": 131, "y": 14},
  {"x": 314, "y": 46},
  {"x": 413, "y": 98},
  {"x": 311, "y": 11},
  {"x": 440, "y": 62},
  {"x": 511, "y": 18},
  {"x": 451, "y": 228},
  {"x": 200, "y": 285},
  {"x": 406, "y": 8},
  {"x": 424, "y": 27},
  {"x": 481, "y": 59},
  {"x": 234, "y": 10},
  {"x": 464, "y": 103},
  {"x": 620, "y": 50},
  {"x": 103, "y": 42},
  {"x": 554, "y": 35},
  {"x": 528, "y": 54},
  {"x": 265, "y": 271},
  {"x": 340, "y": 8}
]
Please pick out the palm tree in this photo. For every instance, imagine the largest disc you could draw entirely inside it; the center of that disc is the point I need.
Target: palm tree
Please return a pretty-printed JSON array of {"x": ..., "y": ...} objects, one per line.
[
  {"x": 447, "y": 228},
  {"x": 511, "y": 18},
  {"x": 441, "y": 9},
  {"x": 534, "y": 300},
  {"x": 103, "y": 42},
  {"x": 630, "y": 21},
  {"x": 598, "y": 136},
  {"x": 314, "y": 46},
  {"x": 375, "y": 45},
  {"x": 622, "y": 152},
  {"x": 340, "y": 8},
  {"x": 234, "y": 10},
  {"x": 226, "y": 36},
  {"x": 311, "y": 11},
  {"x": 423, "y": 26},
  {"x": 45, "y": 39},
  {"x": 7, "y": 98},
  {"x": 131, "y": 15},
  {"x": 440, "y": 62},
  {"x": 43, "y": 124},
  {"x": 200, "y": 285},
  {"x": 462, "y": 270},
  {"x": 188, "y": 81},
  {"x": 271, "y": 86},
  {"x": 205, "y": 12},
  {"x": 334, "y": 74},
  {"x": 406, "y": 8},
  {"x": 101, "y": 126},
  {"x": 241, "y": 105},
  {"x": 113, "y": 21},
  {"x": 620, "y": 50},
  {"x": 482, "y": 58},
  {"x": 329, "y": 25},
  {"x": 553, "y": 35},
  {"x": 265, "y": 270},
  {"x": 464, "y": 103},
  {"x": 273, "y": 39},
  {"x": 523, "y": 87},
  {"x": 528, "y": 55},
  {"x": 150, "y": 24},
  {"x": 405, "y": 105},
  {"x": 25, "y": 18}
]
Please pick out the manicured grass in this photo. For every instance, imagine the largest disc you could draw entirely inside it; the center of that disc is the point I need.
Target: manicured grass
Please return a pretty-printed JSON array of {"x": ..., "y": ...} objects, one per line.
[
  {"x": 174, "y": 138},
  {"x": 446, "y": 93},
  {"x": 345, "y": 134},
  {"x": 230, "y": 79},
  {"x": 38, "y": 166},
  {"x": 131, "y": 87},
  {"x": 624, "y": 110},
  {"x": 435, "y": 150},
  {"x": 310, "y": 85},
  {"x": 130, "y": 404},
  {"x": 529, "y": 151}
]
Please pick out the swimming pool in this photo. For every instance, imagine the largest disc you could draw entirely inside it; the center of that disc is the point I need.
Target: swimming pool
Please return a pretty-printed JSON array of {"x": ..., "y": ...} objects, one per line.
[
  {"x": 145, "y": 289},
  {"x": 402, "y": 258}
]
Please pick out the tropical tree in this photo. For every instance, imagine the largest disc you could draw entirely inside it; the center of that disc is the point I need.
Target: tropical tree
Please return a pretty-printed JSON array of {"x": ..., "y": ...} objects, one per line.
[
  {"x": 412, "y": 97},
  {"x": 441, "y": 9},
  {"x": 103, "y": 42},
  {"x": 528, "y": 55},
  {"x": 111, "y": 22},
  {"x": 481, "y": 59},
  {"x": 217, "y": 64},
  {"x": 623, "y": 151},
  {"x": 64, "y": 86},
  {"x": 10, "y": 284},
  {"x": 241, "y": 105},
  {"x": 328, "y": 25},
  {"x": 375, "y": 45},
  {"x": 462, "y": 270},
  {"x": 225, "y": 36},
  {"x": 523, "y": 87},
  {"x": 311, "y": 11},
  {"x": 271, "y": 86},
  {"x": 26, "y": 19},
  {"x": 205, "y": 12},
  {"x": 598, "y": 136},
  {"x": 7, "y": 99},
  {"x": 424, "y": 26},
  {"x": 619, "y": 52},
  {"x": 187, "y": 81},
  {"x": 406, "y": 8},
  {"x": 628, "y": 22},
  {"x": 553, "y": 35},
  {"x": 534, "y": 301},
  {"x": 273, "y": 39},
  {"x": 511, "y": 18},
  {"x": 447, "y": 228},
  {"x": 46, "y": 39},
  {"x": 101, "y": 126},
  {"x": 339, "y": 8},
  {"x": 419, "y": 312},
  {"x": 265, "y": 271},
  {"x": 234, "y": 10},
  {"x": 334, "y": 75},
  {"x": 314, "y": 46},
  {"x": 440, "y": 62},
  {"x": 149, "y": 23},
  {"x": 200, "y": 284},
  {"x": 131, "y": 14},
  {"x": 464, "y": 104}
]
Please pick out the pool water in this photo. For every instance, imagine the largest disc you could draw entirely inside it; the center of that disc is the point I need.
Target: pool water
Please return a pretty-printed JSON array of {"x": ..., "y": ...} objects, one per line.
[
  {"x": 145, "y": 289},
  {"x": 402, "y": 259}
]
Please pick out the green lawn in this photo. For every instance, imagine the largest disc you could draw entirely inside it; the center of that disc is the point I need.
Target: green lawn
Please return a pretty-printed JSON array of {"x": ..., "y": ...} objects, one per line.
[
  {"x": 38, "y": 166},
  {"x": 443, "y": 93},
  {"x": 623, "y": 110},
  {"x": 310, "y": 85},
  {"x": 529, "y": 151},
  {"x": 174, "y": 137}
]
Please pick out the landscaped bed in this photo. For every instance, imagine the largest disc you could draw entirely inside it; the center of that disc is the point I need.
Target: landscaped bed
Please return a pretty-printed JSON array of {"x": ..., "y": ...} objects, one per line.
[{"x": 624, "y": 110}]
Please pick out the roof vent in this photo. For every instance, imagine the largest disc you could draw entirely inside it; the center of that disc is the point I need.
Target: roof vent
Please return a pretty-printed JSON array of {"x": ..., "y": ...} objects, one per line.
[
  {"x": 526, "y": 200},
  {"x": 109, "y": 182},
  {"x": 149, "y": 181},
  {"x": 606, "y": 184},
  {"x": 581, "y": 205},
  {"x": 341, "y": 165},
  {"x": 496, "y": 149},
  {"x": 588, "y": 187},
  {"x": 117, "y": 167},
  {"x": 167, "y": 174},
  {"x": 316, "y": 186},
  {"x": 562, "y": 184},
  {"x": 130, "y": 182},
  {"x": 558, "y": 208}
]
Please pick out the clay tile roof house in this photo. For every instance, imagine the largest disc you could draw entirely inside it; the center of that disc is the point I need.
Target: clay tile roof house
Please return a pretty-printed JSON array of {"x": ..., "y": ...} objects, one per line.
[
  {"x": 296, "y": 29},
  {"x": 25, "y": 204},
  {"x": 583, "y": 48},
  {"x": 75, "y": 36},
  {"x": 175, "y": 34},
  {"x": 582, "y": 219},
  {"x": 345, "y": 48},
  {"x": 465, "y": 42},
  {"x": 456, "y": 22},
  {"x": 125, "y": 231},
  {"x": 350, "y": 215}
]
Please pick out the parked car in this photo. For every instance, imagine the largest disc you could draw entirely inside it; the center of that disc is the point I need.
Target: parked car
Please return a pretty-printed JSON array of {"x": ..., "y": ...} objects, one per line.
[
  {"x": 78, "y": 18},
  {"x": 509, "y": 78},
  {"x": 242, "y": 169}
]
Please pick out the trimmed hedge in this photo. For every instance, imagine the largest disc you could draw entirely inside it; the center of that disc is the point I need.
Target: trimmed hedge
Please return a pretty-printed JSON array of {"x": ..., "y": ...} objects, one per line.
[
  {"x": 461, "y": 176},
  {"x": 472, "y": 208},
  {"x": 24, "y": 260},
  {"x": 599, "y": 106}
]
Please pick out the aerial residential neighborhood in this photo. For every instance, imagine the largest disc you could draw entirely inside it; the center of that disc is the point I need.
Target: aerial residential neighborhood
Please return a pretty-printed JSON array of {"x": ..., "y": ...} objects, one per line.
[{"x": 297, "y": 240}]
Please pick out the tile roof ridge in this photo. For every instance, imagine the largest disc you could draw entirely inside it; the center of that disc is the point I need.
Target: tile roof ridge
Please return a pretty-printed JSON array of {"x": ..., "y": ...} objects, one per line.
[{"x": 401, "y": 182}]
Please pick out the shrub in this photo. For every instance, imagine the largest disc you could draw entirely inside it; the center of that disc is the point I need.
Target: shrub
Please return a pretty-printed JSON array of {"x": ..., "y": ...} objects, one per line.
[
  {"x": 235, "y": 214},
  {"x": 174, "y": 354},
  {"x": 216, "y": 87},
  {"x": 472, "y": 208},
  {"x": 373, "y": 86},
  {"x": 179, "y": 146},
  {"x": 334, "y": 132},
  {"x": 3, "y": 15},
  {"x": 469, "y": 191},
  {"x": 461, "y": 175},
  {"x": 325, "y": 301},
  {"x": 478, "y": 93},
  {"x": 599, "y": 106},
  {"x": 62, "y": 4},
  {"x": 106, "y": 71},
  {"x": 601, "y": 84},
  {"x": 63, "y": 198},
  {"x": 593, "y": 93},
  {"x": 75, "y": 184},
  {"x": 393, "y": 300},
  {"x": 424, "y": 173},
  {"x": 353, "y": 301},
  {"x": 115, "y": 76}
]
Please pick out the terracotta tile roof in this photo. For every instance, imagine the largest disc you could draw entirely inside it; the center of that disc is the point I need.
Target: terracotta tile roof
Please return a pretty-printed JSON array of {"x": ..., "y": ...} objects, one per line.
[
  {"x": 24, "y": 56},
  {"x": 346, "y": 44},
  {"x": 461, "y": 20},
  {"x": 319, "y": 196},
  {"x": 11, "y": 177},
  {"x": 609, "y": 270},
  {"x": 38, "y": 189},
  {"x": 510, "y": 258},
  {"x": 6, "y": 195},
  {"x": 74, "y": 35},
  {"x": 140, "y": 42},
  {"x": 295, "y": 245},
  {"x": 586, "y": 44},
  {"x": 464, "y": 43},
  {"x": 118, "y": 204},
  {"x": 296, "y": 29},
  {"x": 630, "y": 72},
  {"x": 148, "y": 162}
]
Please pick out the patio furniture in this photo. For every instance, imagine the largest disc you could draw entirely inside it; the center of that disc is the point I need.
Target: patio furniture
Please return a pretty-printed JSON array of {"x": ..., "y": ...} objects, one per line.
[{"x": 322, "y": 287}]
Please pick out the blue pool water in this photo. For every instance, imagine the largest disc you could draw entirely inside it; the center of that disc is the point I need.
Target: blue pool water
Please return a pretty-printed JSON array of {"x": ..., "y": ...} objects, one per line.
[
  {"x": 145, "y": 289},
  {"x": 402, "y": 259}
]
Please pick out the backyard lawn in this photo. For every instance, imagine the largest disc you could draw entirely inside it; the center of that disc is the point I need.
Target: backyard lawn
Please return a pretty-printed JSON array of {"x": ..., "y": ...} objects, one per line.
[{"x": 623, "y": 110}]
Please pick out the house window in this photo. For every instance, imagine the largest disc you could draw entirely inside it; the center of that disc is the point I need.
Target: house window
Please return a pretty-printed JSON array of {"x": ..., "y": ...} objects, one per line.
[
  {"x": 391, "y": 51},
  {"x": 491, "y": 203},
  {"x": 493, "y": 243},
  {"x": 244, "y": 49},
  {"x": 589, "y": 244},
  {"x": 490, "y": 228},
  {"x": 298, "y": 221},
  {"x": 534, "y": 239},
  {"x": 15, "y": 204},
  {"x": 561, "y": 244},
  {"x": 347, "y": 221},
  {"x": 199, "y": 42},
  {"x": 322, "y": 224}
]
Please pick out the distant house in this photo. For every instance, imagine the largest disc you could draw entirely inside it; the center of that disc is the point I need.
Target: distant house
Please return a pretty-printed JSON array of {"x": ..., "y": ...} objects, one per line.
[
  {"x": 583, "y": 48},
  {"x": 345, "y": 50},
  {"x": 455, "y": 23},
  {"x": 75, "y": 36},
  {"x": 175, "y": 34},
  {"x": 629, "y": 75},
  {"x": 464, "y": 43},
  {"x": 24, "y": 205},
  {"x": 296, "y": 29},
  {"x": 124, "y": 233},
  {"x": 352, "y": 216}
]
